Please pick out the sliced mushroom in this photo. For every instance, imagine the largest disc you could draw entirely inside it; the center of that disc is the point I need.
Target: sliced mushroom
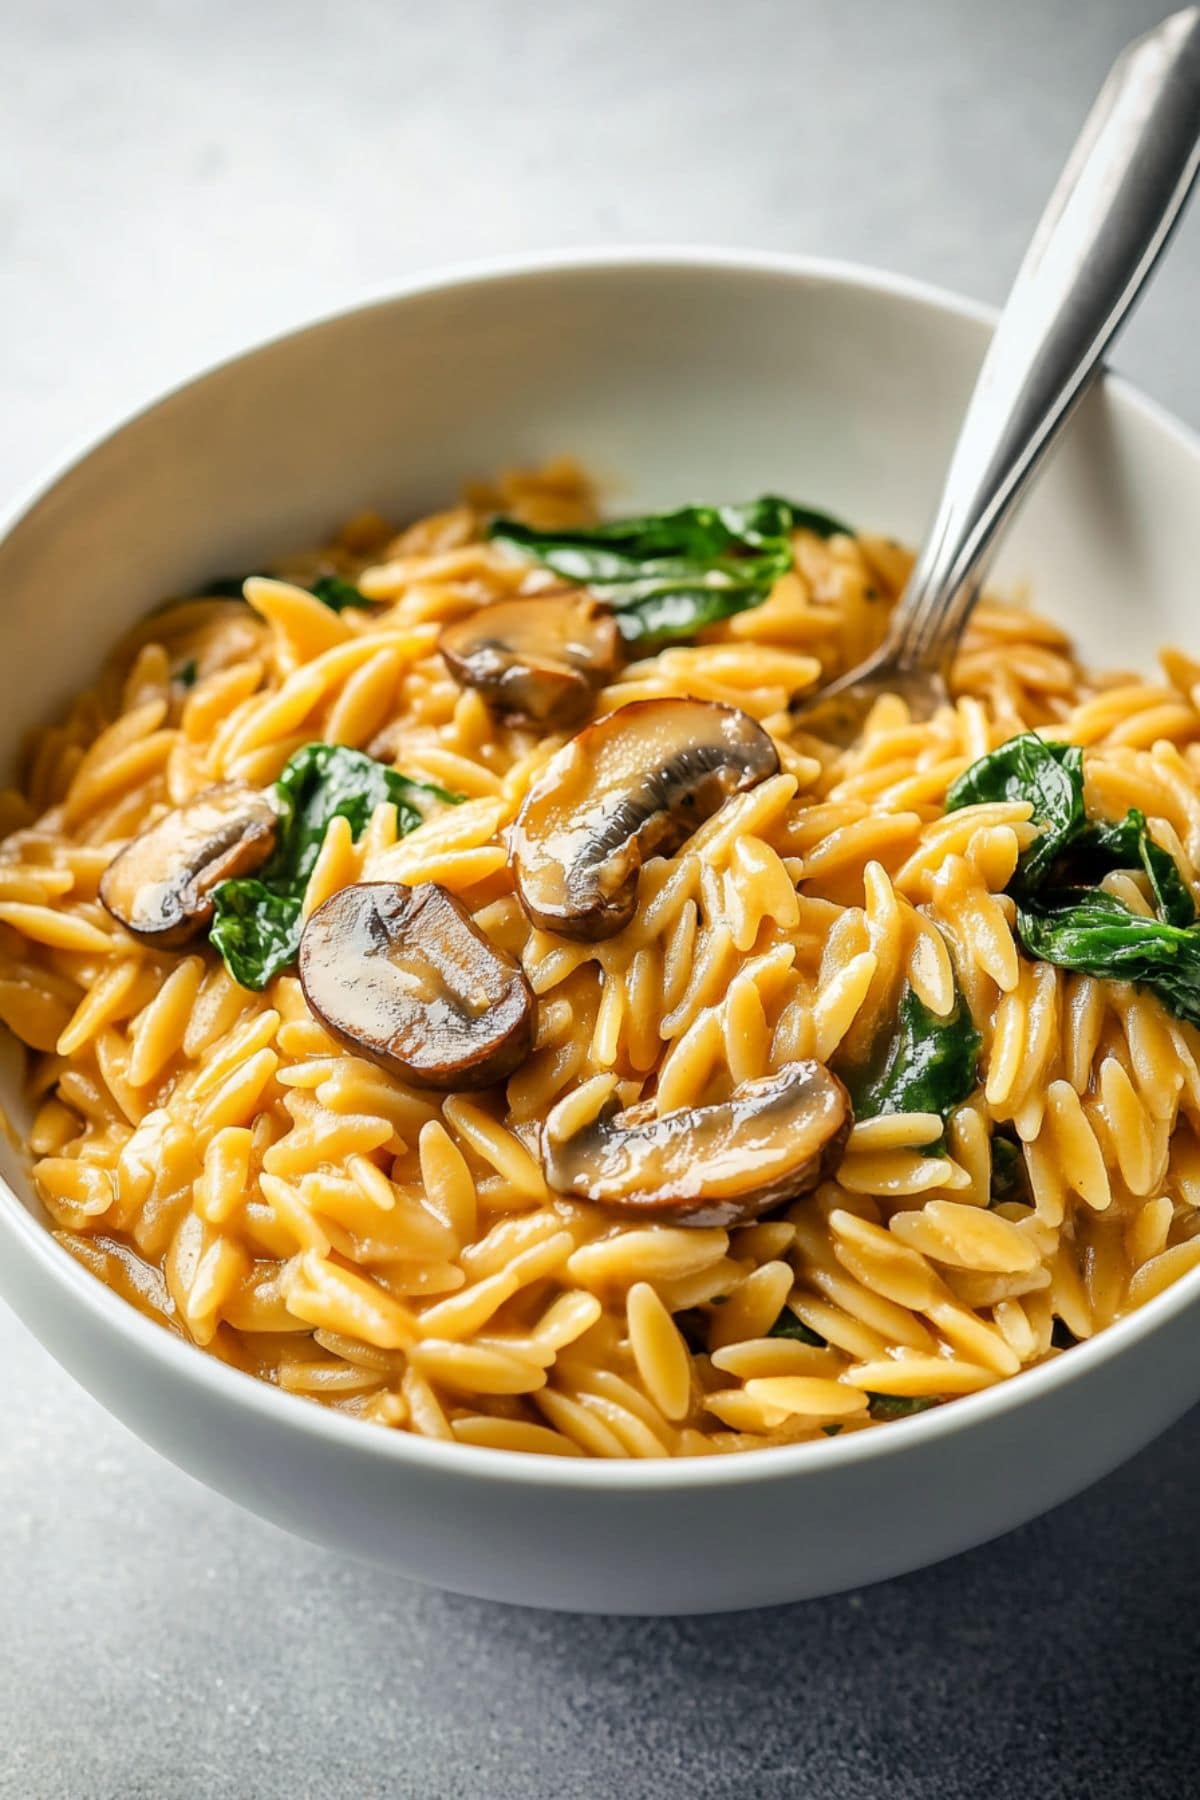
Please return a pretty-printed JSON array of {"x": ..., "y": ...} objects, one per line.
[
  {"x": 636, "y": 783},
  {"x": 773, "y": 1140},
  {"x": 160, "y": 886},
  {"x": 542, "y": 659},
  {"x": 405, "y": 977}
]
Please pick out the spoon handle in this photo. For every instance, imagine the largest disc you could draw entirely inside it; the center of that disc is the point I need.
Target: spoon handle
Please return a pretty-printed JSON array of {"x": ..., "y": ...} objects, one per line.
[{"x": 1108, "y": 219}]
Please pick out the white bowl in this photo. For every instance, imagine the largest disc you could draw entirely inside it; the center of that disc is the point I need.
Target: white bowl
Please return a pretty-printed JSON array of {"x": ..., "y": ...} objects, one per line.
[{"x": 680, "y": 374}]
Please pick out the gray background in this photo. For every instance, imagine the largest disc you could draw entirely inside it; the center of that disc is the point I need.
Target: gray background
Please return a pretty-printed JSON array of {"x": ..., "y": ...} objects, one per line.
[{"x": 176, "y": 180}]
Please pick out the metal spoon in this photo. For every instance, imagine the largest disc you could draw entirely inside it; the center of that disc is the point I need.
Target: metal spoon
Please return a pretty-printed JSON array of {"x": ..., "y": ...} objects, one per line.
[{"x": 1123, "y": 188}]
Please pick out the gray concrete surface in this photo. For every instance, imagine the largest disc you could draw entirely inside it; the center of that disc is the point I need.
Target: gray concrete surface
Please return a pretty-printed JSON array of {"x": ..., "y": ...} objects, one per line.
[{"x": 178, "y": 179}]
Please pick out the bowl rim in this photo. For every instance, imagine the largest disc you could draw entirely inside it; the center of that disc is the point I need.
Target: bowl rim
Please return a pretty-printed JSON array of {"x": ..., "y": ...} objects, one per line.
[{"x": 177, "y": 1359}]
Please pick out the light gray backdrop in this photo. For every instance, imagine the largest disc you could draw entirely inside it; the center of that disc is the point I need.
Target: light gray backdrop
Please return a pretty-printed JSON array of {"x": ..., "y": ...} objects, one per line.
[{"x": 179, "y": 179}]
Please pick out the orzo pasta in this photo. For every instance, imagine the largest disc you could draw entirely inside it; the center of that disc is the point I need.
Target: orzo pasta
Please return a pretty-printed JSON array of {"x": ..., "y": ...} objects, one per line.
[{"x": 410, "y": 1025}]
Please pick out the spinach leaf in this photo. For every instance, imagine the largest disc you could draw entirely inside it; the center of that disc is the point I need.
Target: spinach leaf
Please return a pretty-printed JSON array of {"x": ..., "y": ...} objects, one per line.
[
  {"x": 1127, "y": 843},
  {"x": 787, "y": 1325},
  {"x": 1008, "y": 1170},
  {"x": 322, "y": 780},
  {"x": 669, "y": 575},
  {"x": 821, "y": 524},
  {"x": 927, "y": 1066},
  {"x": 337, "y": 594},
  {"x": 1090, "y": 930},
  {"x": 256, "y": 929},
  {"x": 620, "y": 549},
  {"x": 1061, "y": 919},
  {"x": 673, "y": 615},
  {"x": 256, "y": 919},
  {"x": 330, "y": 590},
  {"x": 898, "y": 1406},
  {"x": 223, "y": 587},
  {"x": 1049, "y": 776},
  {"x": 186, "y": 673},
  {"x": 1172, "y": 895}
]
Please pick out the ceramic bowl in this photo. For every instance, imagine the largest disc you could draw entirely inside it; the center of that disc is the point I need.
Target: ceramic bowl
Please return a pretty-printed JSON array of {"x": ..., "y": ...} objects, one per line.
[{"x": 672, "y": 375}]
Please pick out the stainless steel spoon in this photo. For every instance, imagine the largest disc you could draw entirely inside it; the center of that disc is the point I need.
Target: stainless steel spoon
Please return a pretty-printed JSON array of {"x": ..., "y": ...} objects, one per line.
[{"x": 1122, "y": 191}]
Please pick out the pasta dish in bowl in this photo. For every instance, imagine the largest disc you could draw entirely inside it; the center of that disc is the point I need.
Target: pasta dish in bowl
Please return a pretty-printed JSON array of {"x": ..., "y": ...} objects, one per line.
[
  {"x": 455, "y": 1005},
  {"x": 461, "y": 991}
]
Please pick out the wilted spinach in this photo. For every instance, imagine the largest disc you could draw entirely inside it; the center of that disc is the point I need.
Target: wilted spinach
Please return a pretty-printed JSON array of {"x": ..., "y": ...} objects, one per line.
[
  {"x": 256, "y": 919},
  {"x": 898, "y": 1406},
  {"x": 330, "y": 590},
  {"x": 223, "y": 587},
  {"x": 337, "y": 594},
  {"x": 1048, "y": 776},
  {"x": 787, "y": 1325},
  {"x": 1126, "y": 844},
  {"x": 1061, "y": 918},
  {"x": 927, "y": 1065},
  {"x": 1092, "y": 931},
  {"x": 668, "y": 575},
  {"x": 1009, "y": 1180},
  {"x": 256, "y": 929}
]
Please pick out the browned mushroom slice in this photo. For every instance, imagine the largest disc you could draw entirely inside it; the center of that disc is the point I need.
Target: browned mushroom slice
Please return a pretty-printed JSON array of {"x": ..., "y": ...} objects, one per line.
[
  {"x": 541, "y": 659},
  {"x": 160, "y": 886},
  {"x": 405, "y": 977},
  {"x": 773, "y": 1140},
  {"x": 636, "y": 783}
]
